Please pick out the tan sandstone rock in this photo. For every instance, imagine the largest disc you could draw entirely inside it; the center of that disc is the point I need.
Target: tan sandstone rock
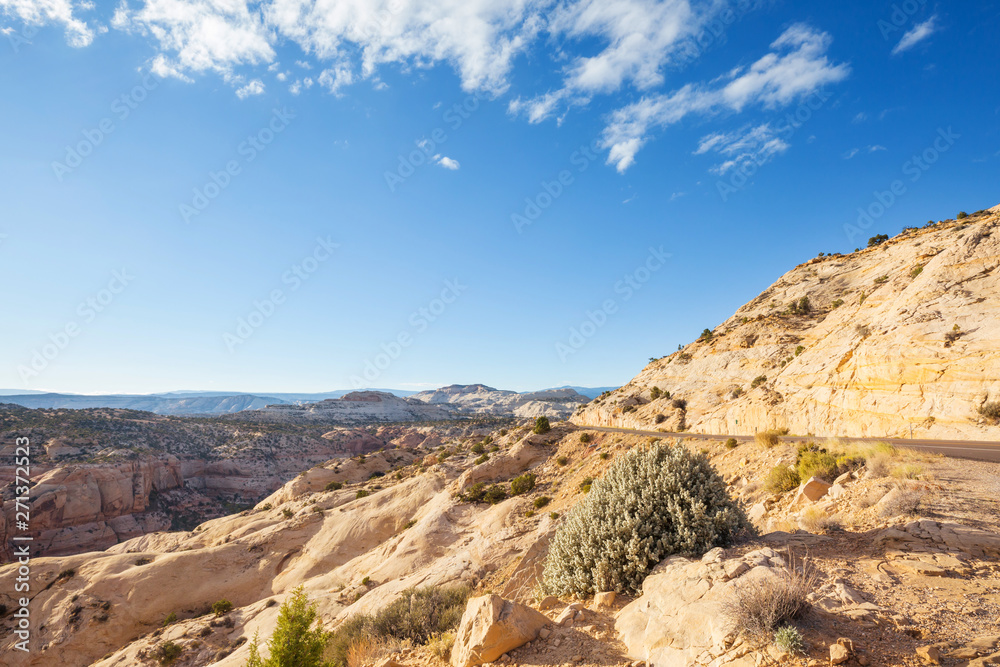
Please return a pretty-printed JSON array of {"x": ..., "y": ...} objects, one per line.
[{"x": 490, "y": 627}]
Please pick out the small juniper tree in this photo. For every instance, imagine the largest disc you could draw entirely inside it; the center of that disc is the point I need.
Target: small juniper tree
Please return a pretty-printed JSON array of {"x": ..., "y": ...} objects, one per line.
[
  {"x": 652, "y": 502},
  {"x": 542, "y": 425},
  {"x": 295, "y": 643}
]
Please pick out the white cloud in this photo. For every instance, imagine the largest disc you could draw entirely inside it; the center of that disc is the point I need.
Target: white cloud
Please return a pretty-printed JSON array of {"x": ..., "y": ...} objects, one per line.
[
  {"x": 281, "y": 76},
  {"x": 915, "y": 35},
  {"x": 447, "y": 162},
  {"x": 851, "y": 153},
  {"x": 876, "y": 148},
  {"x": 860, "y": 117},
  {"x": 59, "y": 12},
  {"x": 677, "y": 195},
  {"x": 203, "y": 35},
  {"x": 796, "y": 67},
  {"x": 639, "y": 39},
  {"x": 336, "y": 77},
  {"x": 748, "y": 145},
  {"x": 255, "y": 87}
]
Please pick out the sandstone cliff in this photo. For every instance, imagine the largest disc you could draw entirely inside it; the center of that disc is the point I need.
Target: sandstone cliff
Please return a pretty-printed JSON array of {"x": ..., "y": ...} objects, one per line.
[
  {"x": 901, "y": 337},
  {"x": 480, "y": 399}
]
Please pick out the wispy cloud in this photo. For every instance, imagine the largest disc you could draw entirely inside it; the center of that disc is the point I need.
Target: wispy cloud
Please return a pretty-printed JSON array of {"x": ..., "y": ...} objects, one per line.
[
  {"x": 758, "y": 145},
  {"x": 796, "y": 66},
  {"x": 876, "y": 148},
  {"x": 447, "y": 162},
  {"x": 915, "y": 35},
  {"x": 851, "y": 153},
  {"x": 255, "y": 87}
]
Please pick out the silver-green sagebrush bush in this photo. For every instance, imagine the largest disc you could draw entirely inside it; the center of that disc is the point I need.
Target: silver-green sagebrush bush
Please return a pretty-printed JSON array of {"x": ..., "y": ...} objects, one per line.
[{"x": 651, "y": 503}]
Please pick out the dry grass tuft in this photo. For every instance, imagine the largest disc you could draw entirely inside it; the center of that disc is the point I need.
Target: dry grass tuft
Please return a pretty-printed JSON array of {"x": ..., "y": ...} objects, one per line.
[
  {"x": 758, "y": 606},
  {"x": 441, "y": 645},
  {"x": 767, "y": 439},
  {"x": 815, "y": 520}
]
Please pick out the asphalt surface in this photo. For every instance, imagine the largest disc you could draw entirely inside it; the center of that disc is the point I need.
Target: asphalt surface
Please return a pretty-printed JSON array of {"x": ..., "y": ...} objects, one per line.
[{"x": 959, "y": 449}]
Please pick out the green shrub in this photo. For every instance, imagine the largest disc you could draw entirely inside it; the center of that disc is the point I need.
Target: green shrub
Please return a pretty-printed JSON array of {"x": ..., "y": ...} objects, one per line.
[
  {"x": 878, "y": 239},
  {"x": 541, "y": 501},
  {"x": 782, "y": 479},
  {"x": 478, "y": 448},
  {"x": 495, "y": 494},
  {"x": 917, "y": 270},
  {"x": 417, "y": 615},
  {"x": 990, "y": 410},
  {"x": 732, "y": 444},
  {"x": 837, "y": 303},
  {"x": 652, "y": 502},
  {"x": 789, "y": 640},
  {"x": 222, "y": 607},
  {"x": 287, "y": 513},
  {"x": 362, "y": 493},
  {"x": 881, "y": 280},
  {"x": 542, "y": 425},
  {"x": 585, "y": 438},
  {"x": 605, "y": 456},
  {"x": 474, "y": 493},
  {"x": 655, "y": 393},
  {"x": 295, "y": 643},
  {"x": 758, "y": 381},
  {"x": 586, "y": 484},
  {"x": 170, "y": 619},
  {"x": 334, "y": 486},
  {"x": 800, "y": 307},
  {"x": 167, "y": 652},
  {"x": 799, "y": 350},
  {"x": 962, "y": 215},
  {"x": 817, "y": 463},
  {"x": 522, "y": 484},
  {"x": 367, "y": 580},
  {"x": 482, "y": 459},
  {"x": 706, "y": 335},
  {"x": 554, "y": 515},
  {"x": 562, "y": 460}
]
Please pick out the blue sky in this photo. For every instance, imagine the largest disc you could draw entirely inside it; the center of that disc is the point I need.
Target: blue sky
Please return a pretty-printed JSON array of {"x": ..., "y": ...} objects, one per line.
[{"x": 302, "y": 196}]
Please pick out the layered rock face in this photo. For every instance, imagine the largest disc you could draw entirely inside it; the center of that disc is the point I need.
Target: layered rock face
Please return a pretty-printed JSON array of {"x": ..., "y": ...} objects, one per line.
[
  {"x": 356, "y": 407},
  {"x": 900, "y": 338},
  {"x": 79, "y": 508},
  {"x": 480, "y": 399}
]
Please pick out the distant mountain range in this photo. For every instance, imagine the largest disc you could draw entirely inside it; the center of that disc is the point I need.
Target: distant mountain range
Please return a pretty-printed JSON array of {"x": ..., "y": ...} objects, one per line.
[{"x": 222, "y": 402}]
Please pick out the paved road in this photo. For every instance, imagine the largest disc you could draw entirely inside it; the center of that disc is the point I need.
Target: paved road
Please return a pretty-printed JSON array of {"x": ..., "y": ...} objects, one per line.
[{"x": 961, "y": 449}]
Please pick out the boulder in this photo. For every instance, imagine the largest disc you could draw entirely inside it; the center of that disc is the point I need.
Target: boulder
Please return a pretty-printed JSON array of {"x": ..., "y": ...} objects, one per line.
[
  {"x": 606, "y": 599},
  {"x": 930, "y": 655},
  {"x": 490, "y": 627},
  {"x": 757, "y": 513},
  {"x": 811, "y": 491},
  {"x": 839, "y": 654}
]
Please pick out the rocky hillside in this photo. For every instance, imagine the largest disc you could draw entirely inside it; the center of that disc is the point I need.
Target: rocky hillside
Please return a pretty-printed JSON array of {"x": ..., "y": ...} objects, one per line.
[
  {"x": 158, "y": 404},
  {"x": 105, "y": 476},
  {"x": 354, "y": 408},
  {"x": 356, "y": 533},
  {"x": 901, "y": 337},
  {"x": 480, "y": 399}
]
